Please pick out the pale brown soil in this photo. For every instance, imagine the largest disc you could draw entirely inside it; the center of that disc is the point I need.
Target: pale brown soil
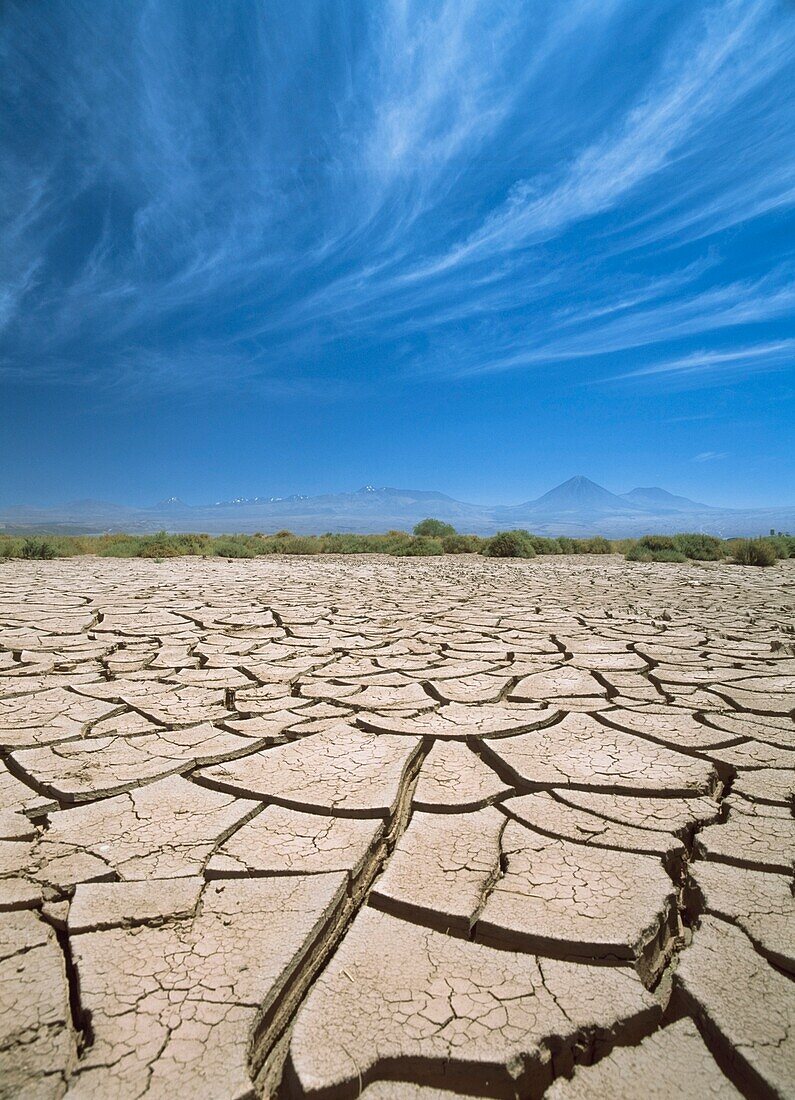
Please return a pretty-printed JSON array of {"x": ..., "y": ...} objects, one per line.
[{"x": 400, "y": 829}]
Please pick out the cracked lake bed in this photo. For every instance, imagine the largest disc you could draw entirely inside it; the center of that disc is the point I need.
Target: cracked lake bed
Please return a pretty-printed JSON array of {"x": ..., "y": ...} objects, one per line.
[{"x": 432, "y": 828}]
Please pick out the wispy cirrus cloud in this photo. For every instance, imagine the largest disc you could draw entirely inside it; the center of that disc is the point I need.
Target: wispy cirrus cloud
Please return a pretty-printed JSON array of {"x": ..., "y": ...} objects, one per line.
[
  {"x": 661, "y": 320},
  {"x": 698, "y": 83},
  {"x": 442, "y": 188},
  {"x": 761, "y": 356}
]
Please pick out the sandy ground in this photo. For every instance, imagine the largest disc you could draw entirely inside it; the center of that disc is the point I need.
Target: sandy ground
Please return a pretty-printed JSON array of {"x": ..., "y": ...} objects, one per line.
[{"x": 365, "y": 826}]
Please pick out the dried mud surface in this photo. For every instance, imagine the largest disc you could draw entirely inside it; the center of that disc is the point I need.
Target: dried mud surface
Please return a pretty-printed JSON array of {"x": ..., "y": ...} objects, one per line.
[{"x": 297, "y": 828}]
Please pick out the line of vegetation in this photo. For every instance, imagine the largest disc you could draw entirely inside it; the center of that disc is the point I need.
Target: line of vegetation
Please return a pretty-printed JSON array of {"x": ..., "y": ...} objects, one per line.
[{"x": 429, "y": 538}]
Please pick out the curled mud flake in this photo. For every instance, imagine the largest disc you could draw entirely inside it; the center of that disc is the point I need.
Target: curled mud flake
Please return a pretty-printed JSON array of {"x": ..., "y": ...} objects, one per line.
[
  {"x": 759, "y": 903},
  {"x": 566, "y": 682},
  {"x": 166, "y": 829},
  {"x": 38, "y": 1045},
  {"x": 98, "y": 905},
  {"x": 754, "y": 756},
  {"x": 80, "y": 771},
  {"x": 172, "y": 1005},
  {"x": 672, "y": 1062},
  {"x": 284, "y": 841},
  {"x": 442, "y": 869},
  {"x": 461, "y": 721},
  {"x": 410, "y": 697},
  {"x": 743, "y": 1006},
  {"x": 453, "y": 778},
  {"x": 676, "y": 729},
  {"x": 341, "y": 770},
  {"x": 553, "y": 816},
  {"x": 17, "y": 892},
  {"x": 395, "y": 1090},
  {"x": 485, "y": 687},
  {"x": 48, "y": 717},
  {"x": 582, "y": 753},
  {"x": 778, "y": 731},
  {"x": 679, "y": 816},
  {"x": 214, "y": 678},
  {"x": 775, "y": 786},
  {"x": 761, "y": 843},
  {"x": 19, "y": 804},
  {"x": 761, "y": 694},
  {"x": 556, "y": 898},
  {"x": 400, "y": 1001},
  {"x": 606, "y": 663},
  {"x": 174, "y": 705}
]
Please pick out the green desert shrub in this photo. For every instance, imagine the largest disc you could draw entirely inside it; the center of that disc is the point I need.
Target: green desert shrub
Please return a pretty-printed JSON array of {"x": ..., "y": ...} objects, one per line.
[
  {"x": 265, "y": 544},
  {"x": 434, "y": 528},
  {"x": 655, "y": 548},
  {"x": 668, "y": 555},
  {"x": 76, "y": 545},
  {"x": 56, "y": 546},
  {"x": 598, "y": 545},
  {"x": 543, "y": 545},
  {"x": 298, "y": 544},
  {"x": 231, "y": 547},
  {"x": 657, "y": 542},
  {"x": 10, "y": 546},
  {"x": 261, "y": 544},
  {"x": 639, "y": 552},
  {"x": 343, "y": 544},
  {"x": 393, "y": 542},
  {"x": 754, "y": 552},
  {"x": 38, "y": 549},
  {"x": 419, "y": 547},
  {"x": 699, "y": 547},
  {"x": 516, "y": 543},
  {"x": 118, "y": 546},
  {"x": 593, "y": 545},
  {"x": 509, "y": 544},
  {"x": 160, "y": 545},
  {"x": 459, "y": 544},
  {"x": 622, "y": 546},
  {"x": 784, "y": 545},
  {"x": 194, "y": 543},
  {"x": 569, "y": 545}
]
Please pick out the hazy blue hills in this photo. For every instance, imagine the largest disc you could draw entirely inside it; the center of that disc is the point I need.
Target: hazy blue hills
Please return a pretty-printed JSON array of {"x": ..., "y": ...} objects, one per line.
[
  {"x": 660, "y": 500},
  {"x": 577, "y": 499},
  {"x": 576, "y": 507}
]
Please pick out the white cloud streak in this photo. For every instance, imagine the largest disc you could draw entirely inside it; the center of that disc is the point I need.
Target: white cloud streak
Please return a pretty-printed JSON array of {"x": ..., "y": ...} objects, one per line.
[
  {"x": 761, "y": 356},
  {"x": 447, "y": 187}
]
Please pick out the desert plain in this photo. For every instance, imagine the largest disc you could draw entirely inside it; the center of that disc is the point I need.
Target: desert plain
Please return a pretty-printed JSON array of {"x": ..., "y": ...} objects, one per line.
[{"x": 423, "y": 828}]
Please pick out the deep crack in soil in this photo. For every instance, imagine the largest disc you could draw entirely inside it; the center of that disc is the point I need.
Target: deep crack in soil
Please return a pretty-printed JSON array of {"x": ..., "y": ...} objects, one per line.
[{"x": 316, "y": 829}]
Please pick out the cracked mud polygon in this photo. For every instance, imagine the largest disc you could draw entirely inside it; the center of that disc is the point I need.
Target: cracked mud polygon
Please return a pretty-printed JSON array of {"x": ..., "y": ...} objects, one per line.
[{"x": 427, "y": 829}]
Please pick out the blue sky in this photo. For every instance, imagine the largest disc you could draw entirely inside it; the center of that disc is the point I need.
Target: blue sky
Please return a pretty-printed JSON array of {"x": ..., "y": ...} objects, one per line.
[{"x": 297, "y": 246}]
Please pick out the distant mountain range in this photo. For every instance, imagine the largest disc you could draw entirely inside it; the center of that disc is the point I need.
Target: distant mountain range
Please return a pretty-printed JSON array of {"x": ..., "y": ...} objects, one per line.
[{"x": 577, "y": 507}]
